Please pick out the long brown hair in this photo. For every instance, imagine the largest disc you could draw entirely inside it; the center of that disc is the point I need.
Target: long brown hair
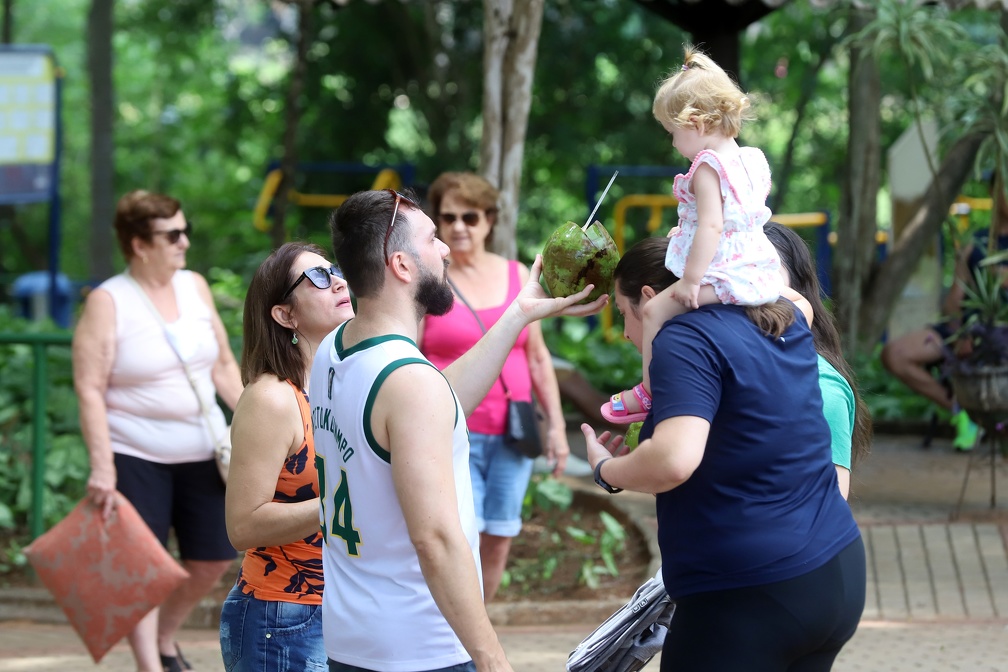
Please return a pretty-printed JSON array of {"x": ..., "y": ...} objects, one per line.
[
  {"x": 797, "y": 260},
  {"x": 267, "y": 347}
]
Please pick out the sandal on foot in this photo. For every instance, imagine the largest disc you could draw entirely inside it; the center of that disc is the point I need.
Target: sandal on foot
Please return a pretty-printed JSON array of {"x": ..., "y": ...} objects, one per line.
[
  {"x": 616, "y": 412},
  {"x": 176, "y": 663}
]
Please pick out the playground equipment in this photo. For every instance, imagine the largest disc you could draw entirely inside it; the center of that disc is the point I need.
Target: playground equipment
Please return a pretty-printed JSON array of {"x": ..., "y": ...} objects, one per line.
[
  {"x": 387, "y": 177},
  {"x": 964, "y": 206}
]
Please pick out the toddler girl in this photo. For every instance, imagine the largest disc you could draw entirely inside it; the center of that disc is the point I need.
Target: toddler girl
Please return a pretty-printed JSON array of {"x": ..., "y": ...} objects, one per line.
[{"x": 718, "y": 250}]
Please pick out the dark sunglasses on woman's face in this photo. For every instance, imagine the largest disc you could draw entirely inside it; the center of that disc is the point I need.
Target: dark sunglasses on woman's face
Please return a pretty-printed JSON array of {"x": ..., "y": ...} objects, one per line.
[
  {"x": 173, "y": 235},
  {"x": 470, "y": 218},
  {"x": 320, "y": 276}
]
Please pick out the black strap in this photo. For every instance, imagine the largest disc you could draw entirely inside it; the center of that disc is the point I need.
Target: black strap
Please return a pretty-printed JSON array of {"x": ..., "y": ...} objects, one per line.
[{"x": 507, "y": 392}]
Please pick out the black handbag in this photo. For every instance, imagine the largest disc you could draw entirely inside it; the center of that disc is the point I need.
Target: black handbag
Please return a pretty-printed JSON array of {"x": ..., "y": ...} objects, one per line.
[{"x": 521, "y": 434}]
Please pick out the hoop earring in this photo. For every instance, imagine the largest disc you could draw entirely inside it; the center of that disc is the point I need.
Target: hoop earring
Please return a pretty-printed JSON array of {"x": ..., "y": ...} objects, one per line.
[{"x": 294, "y": 339}]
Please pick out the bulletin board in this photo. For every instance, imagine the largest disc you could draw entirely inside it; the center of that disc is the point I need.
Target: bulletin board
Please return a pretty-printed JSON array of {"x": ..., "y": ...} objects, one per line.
[{"x": 28, "y": 124}]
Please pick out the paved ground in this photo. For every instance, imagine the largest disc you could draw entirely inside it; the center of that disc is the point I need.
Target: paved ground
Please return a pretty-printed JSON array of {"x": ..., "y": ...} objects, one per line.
[{"x": 938, "y": 588}]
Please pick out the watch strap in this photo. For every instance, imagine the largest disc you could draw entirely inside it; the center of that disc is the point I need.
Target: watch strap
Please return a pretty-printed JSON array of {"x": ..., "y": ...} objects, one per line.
[{"x": 599, "y": 481}]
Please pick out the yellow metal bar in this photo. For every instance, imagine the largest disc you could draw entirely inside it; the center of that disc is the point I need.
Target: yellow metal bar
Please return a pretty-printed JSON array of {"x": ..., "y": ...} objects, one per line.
[
  {"x": 964, "y": 205},
  {"x": 801, "y": 219},
  {"x": 654, "y": 202},
  {"x": 269, "y": 189},
  {"x": 316, "y": 200},
  {"x": 387, "y": 178}
]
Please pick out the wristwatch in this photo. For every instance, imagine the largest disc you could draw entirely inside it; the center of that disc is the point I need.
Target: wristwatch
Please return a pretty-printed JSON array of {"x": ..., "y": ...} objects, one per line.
[{"x": 599, "y": 481}]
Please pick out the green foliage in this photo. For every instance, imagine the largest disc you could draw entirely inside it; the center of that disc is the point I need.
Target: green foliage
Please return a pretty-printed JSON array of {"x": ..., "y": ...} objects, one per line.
[
  {"x": 66, "y": 458},
  {"x": 609, "y": 363},
  {"x": 611, "y": 542},
  {"x": 921, "y": 36},
  {"x": 985, "y": 328},
  {"x": 981, "y": 102},
  {"x": 546, "y": 493},
  {"x": 885, "y": 395},
  {"x": 228, "y": 289}
]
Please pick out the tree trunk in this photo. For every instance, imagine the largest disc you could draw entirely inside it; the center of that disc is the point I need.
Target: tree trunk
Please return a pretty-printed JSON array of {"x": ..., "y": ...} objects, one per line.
[
  {"x": 888, "y": 282},
  {"x": 856, "y": 227},
  {"x": 292, "y": 119},
  {"x": 99, "y": 63},
  {"x": 511, "y": 31},
  {"x": 722, "y": 46},
  {"x": 7, "y": 22}
]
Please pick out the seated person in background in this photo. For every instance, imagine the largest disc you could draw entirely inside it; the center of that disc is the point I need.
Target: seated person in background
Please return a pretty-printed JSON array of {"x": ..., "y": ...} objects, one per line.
[{"x": 911, "y": 356}]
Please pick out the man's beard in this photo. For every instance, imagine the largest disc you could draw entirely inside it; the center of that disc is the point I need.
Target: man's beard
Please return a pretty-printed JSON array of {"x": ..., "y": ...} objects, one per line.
[{"x": 434, "y": 295}]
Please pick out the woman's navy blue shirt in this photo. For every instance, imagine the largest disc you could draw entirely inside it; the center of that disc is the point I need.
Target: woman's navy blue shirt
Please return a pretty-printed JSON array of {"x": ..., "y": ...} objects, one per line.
[{"x": 763, "y": 505}]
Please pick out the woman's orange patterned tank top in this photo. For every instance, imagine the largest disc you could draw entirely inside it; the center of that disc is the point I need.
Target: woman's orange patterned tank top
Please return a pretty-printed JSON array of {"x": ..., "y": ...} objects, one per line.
[{"x": 292, "y": 572}]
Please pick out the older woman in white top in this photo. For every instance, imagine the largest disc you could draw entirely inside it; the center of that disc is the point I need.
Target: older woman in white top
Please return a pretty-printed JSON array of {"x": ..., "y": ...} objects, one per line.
[{"x": 141, "y": 336}]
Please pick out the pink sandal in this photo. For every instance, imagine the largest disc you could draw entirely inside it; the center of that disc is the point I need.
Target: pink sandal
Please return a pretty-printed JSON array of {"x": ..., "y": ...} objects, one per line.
[{"x": 616, "y": 412}]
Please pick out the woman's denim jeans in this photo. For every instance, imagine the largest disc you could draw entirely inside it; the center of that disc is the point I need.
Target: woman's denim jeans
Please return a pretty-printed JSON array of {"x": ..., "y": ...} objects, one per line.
[{"x": 275, "y": 636}]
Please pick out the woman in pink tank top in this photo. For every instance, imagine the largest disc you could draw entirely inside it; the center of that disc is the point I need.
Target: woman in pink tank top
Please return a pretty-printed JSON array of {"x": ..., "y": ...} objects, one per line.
[{"x": 464, "y": 207}]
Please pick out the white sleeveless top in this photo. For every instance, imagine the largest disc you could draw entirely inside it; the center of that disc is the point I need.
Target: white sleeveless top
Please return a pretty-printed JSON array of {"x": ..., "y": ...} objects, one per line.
[
  {"x": 152, "y": 411},
  {"x": 377, "y": 611}
]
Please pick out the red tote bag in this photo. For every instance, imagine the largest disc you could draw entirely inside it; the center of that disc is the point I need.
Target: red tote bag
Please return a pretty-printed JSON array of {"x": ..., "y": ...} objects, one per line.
[{"x": 106, "y": 576}]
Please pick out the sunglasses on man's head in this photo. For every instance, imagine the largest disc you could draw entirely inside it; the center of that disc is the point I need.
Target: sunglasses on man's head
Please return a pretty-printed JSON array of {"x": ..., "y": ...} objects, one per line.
[
  {"x": 470, "y": 218},
  {"x": 173, "y": 235},
  {"x": 398, "y": 198},
  {"x": 320, "y": 276}
]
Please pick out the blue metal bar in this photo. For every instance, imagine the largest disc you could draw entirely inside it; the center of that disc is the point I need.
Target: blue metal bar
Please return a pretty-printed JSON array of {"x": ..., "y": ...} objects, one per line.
[{"x": 55, "y": 207}]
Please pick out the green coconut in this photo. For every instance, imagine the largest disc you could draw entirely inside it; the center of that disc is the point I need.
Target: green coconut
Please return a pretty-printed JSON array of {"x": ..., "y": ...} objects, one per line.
[{"x": 575, "y": 257}]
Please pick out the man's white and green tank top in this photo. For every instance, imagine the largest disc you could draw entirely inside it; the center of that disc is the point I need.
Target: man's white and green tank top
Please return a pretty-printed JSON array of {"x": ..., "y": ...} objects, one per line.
[{"x": 378, "y": 612}]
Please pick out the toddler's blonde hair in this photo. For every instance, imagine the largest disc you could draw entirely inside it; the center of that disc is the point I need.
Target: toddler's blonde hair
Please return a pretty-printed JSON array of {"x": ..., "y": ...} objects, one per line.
[{"x": 701, "y": 92}]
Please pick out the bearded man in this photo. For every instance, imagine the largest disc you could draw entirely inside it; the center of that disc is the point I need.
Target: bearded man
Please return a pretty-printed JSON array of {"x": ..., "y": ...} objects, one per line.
[{"x": 403, "y": 591}]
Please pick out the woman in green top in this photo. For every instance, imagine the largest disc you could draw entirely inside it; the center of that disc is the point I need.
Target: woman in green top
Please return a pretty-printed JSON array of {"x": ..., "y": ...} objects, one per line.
[{"x": 848, "y": 416}]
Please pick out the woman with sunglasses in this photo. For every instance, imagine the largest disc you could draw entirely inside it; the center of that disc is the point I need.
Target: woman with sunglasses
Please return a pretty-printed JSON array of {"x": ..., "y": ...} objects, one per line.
[
  {"x": 140, "y": 336},
  {"x": 272, "y": 618},
  {"x": 464, "y": 209}
]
